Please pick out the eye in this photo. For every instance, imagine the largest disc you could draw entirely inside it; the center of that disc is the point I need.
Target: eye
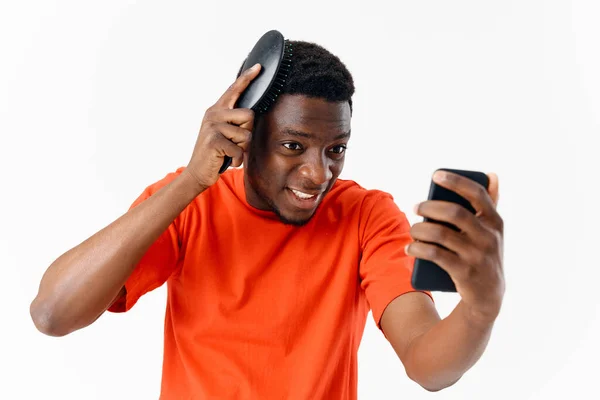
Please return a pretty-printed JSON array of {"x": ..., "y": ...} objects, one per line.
[
  {"x": 292, "y": 146},
  {"x": 339, "y": 149}
]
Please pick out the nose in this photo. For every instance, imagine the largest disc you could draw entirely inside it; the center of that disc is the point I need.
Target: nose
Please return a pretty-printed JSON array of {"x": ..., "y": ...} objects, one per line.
[{"x": 316, "y": 169}]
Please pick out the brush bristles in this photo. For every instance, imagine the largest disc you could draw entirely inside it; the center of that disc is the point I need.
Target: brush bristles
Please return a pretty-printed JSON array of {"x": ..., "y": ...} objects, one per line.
[{"x": 279, "y": 81}]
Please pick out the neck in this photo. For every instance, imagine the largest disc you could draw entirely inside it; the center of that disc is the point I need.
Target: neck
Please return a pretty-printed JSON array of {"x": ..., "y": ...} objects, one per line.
[{"x": 252, "y": 196}]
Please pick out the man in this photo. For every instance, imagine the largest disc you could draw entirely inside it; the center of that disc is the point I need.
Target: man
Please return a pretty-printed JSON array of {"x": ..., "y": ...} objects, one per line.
[{"x": 273, "y": 268}]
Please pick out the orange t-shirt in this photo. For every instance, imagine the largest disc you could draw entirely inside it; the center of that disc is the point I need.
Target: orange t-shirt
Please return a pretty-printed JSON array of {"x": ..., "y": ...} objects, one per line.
[{"x": 258, "y": 309}]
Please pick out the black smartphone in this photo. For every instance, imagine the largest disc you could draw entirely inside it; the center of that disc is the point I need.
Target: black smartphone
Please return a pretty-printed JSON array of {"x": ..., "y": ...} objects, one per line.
[{"x": 427, "y": 275}]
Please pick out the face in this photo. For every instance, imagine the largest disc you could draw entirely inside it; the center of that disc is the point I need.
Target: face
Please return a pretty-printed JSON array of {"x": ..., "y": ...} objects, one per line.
[{"x": 296, "y": 154}]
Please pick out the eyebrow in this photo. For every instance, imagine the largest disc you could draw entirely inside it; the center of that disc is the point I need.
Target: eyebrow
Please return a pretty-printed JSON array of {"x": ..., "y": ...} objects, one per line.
[{"x": 294, "y": 132}]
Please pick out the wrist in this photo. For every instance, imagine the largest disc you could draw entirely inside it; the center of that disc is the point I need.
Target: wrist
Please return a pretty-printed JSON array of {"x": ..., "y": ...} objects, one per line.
[
  {"x": 191, "y": 181},
  {"x": 189, "y": 185},
  {"x": 476, "y": 317}
]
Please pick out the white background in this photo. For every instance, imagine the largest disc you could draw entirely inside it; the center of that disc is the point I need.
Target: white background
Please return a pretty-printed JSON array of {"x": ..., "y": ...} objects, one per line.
[{"x": 100, "y": 99}]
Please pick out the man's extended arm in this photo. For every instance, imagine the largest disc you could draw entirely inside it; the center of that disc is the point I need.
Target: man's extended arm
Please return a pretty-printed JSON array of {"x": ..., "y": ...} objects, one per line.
[{"x": 436, "y": 353}]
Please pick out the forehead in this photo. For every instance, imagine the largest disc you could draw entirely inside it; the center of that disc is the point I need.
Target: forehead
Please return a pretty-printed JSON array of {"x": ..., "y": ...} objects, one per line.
[{"x": 308, "y": 114}]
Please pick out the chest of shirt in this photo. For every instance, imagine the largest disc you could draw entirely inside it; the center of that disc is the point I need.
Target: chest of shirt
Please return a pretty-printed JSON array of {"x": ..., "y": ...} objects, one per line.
[{"x": 268, "y": 275}]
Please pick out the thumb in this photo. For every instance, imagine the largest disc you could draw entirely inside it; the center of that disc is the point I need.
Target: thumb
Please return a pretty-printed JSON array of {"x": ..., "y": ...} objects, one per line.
[{"x": 493, "y": 188}]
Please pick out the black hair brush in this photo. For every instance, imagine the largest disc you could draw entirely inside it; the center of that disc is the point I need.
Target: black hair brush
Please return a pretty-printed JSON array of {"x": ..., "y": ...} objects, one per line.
[{"x": 274, "y": 54}]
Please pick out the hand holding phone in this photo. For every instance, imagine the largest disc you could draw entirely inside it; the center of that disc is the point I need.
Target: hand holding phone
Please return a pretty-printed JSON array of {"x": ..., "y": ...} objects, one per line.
[
  {"x": 427, "y": 275},
  {"x": 459, "y": 245}
]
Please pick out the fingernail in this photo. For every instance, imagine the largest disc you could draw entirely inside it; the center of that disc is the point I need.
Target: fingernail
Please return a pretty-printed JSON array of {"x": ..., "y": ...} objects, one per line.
[
  {"x": 439, "y": 176},
  {"x": 251, "y": 69},
  {"x": 255, "y": 67},
  {"x": 406, "y": 248},
  {"x": 416, "y": 208}
]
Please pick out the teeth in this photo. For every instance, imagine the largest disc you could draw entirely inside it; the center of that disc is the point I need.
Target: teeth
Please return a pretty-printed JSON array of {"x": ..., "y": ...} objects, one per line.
[{"x": 303, "y": 195}]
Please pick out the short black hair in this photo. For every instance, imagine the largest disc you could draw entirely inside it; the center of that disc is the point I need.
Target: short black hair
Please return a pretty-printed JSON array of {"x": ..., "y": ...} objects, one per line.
[{"x": 316, "y": 72}]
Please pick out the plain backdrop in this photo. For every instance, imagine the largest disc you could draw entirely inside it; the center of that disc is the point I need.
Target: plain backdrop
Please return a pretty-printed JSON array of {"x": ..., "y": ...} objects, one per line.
[{"x": 100, "y": 99}]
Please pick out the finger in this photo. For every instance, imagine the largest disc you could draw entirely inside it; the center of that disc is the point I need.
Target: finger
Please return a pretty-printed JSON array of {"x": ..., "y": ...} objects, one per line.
[
  {"x": 237, "y": 161},
  {"x": 493, "y": 188},
  {"x": 431, "y": 232},
  {"x": 471, "y": 252},
  {"x": 226, "y": 147},
  {"x": 451, "y": 213},
  {"x": 472, "y": 191},
  {"x": 235, "y": 134},
  {"x": 243, "y": 117},
  {"x": 447, "y": 260},
  {"x": 232, "y": 94}
]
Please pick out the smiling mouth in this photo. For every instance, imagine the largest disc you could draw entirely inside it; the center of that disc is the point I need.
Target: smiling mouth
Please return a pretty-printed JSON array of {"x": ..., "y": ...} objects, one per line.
[
  {"x": 303, "y": 200},
  {"x": 303, "y": 196}
]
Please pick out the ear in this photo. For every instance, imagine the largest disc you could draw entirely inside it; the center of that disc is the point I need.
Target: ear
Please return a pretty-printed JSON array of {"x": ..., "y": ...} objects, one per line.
[{"x": 493, "y": 188}]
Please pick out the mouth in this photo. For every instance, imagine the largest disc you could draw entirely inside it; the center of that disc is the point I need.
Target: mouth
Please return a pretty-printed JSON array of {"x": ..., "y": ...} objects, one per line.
[{"x": 304, "y": 200}]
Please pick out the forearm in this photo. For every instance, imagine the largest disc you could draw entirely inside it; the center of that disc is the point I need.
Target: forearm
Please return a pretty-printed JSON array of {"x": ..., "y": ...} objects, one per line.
[
  {"x": 440, "y": 356},
  {"x": 81, "y": 284}
]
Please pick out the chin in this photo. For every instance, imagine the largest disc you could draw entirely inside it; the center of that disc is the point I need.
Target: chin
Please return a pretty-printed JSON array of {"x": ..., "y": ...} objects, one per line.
[{"x": 294, "y": 219}]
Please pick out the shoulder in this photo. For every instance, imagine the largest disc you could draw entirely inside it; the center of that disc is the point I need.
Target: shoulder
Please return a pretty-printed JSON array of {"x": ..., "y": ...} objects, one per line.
[
  {"x": 351, "y": 195},
  {"x": 373, "y": 210}
]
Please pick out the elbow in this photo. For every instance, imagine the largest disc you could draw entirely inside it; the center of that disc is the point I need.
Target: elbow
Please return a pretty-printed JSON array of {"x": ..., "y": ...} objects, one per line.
[
  {"x": 433, "y": 389},
  {"x": 431, "y": 383},
  {"x": 45, "y": 319}
]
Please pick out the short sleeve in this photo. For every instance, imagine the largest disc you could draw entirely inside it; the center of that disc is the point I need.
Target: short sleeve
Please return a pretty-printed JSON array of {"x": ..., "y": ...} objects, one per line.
[
  {"x": 158, "y": 263},
  {"x": 385, "y": 268}
]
